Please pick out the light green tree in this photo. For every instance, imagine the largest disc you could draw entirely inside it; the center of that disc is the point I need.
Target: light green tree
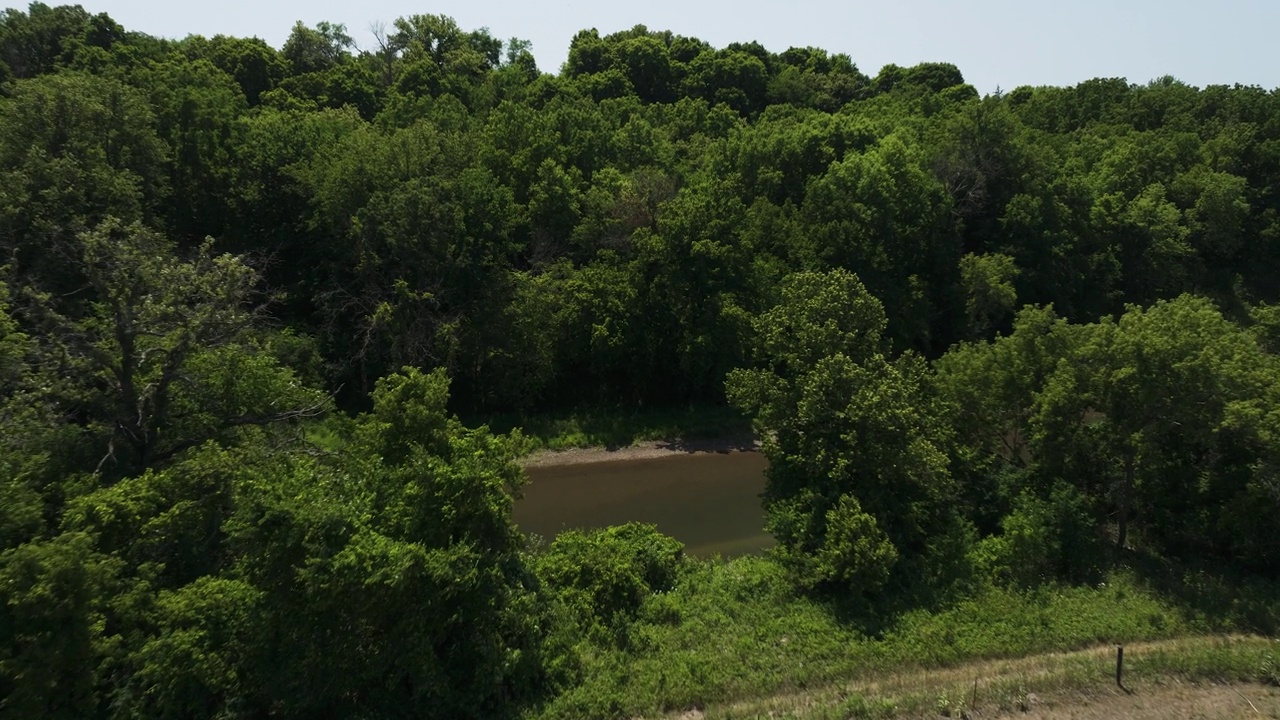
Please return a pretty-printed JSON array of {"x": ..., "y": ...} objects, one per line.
[{"x": 166, "y": 353}]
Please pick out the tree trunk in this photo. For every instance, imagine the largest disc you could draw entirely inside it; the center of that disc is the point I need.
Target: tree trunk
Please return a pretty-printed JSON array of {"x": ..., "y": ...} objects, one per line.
[{"x": 1124, "y": 502}]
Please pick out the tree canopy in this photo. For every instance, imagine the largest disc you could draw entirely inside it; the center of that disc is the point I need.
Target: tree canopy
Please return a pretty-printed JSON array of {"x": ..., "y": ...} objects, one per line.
[{"x": 247, "y": 292}]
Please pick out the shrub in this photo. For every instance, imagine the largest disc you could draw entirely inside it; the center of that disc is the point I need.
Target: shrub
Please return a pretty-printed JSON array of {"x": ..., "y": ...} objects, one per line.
[
  {"x": 1043, "y": 540},
  {"x": 604, "y": 576}
]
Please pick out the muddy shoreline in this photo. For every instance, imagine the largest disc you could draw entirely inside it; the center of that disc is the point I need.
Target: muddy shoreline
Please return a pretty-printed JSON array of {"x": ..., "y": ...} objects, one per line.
[{"x": 641, "y": 451}]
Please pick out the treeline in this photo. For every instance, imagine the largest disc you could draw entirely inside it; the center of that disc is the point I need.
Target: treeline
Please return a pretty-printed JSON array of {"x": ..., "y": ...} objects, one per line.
[
  {"x": 602, "y": 235},
  {"x": 986, "y": 340}
]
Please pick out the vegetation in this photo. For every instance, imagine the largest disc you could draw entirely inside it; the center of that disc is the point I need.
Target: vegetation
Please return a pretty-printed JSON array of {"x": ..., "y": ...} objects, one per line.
[
  {"x": 1013, "y": 361},
  {"x": 615, "y": 426},
  {"x": 738, "y": 635}
]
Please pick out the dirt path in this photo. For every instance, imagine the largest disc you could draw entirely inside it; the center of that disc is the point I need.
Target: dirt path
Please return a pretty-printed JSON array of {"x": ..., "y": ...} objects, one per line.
[
  {"x": 1073, "y": 685},
  {"x": 640, "y": 451},
  {"x": 1182, "y": 700}
]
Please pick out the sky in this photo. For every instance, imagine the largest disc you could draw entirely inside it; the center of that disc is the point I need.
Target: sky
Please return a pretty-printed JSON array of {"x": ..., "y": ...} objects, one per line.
[{"x": 997, "y": 44}]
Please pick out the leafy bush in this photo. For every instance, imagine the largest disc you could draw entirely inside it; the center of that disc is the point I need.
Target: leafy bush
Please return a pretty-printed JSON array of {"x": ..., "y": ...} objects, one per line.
[
  {"x": 856, "y": 553},
  {"x": 1043, "y": 540},
  {"x": 604, "y": 576}
]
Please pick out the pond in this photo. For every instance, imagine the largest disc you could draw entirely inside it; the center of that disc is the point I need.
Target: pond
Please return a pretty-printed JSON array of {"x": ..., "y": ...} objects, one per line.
[{"x": 708, "y": 501}]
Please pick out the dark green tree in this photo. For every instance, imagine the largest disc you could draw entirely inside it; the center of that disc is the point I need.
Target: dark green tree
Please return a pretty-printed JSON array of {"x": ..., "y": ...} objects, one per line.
[
  {"x": 251, "y": 62},
  {"x": 309, "y": 50},
  {"x": 859, "y": 491},
  {"x": 45, "y": 38},
  {"x": 74, "y": 149}
]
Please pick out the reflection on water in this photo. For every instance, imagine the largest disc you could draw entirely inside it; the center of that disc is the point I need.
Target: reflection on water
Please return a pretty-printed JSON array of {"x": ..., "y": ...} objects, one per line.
[{"x": 710, "y": 502}]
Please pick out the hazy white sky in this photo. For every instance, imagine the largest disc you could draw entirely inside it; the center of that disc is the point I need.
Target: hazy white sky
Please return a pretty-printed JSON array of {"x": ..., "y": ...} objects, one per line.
[{"x": 1003, "y": 43}]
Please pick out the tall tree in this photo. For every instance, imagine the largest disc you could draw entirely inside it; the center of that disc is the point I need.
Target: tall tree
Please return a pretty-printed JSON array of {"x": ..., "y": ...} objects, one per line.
[
  {"x": 164, "y": 355},
  {"x": 859, "y": 493}
]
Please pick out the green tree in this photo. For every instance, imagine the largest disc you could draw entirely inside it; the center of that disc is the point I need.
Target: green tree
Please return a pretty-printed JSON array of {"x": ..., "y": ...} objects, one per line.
[
  {"x": 381, "y": 579},
  {"x": 647, "y": 64},
  {"x": 603, "y": 577},
  {"x": 879, "y": 214},
  {"x": 44, "y": 38},
  {"x": 23, "y": 465},
  {"x": 36, "y": 448},
  {"x": 417, "y": 242},
  {"x": 1166, "y": 409},
  {"x": 194, "y": 666},
  {"x": 1062, "y": 260},
  {"x": 700, "y": 287},
  {"x": 991, "y": 387},
  {"x": 74, "y": 149},
  {"x": 1156, "y": 419},
  {"x": 859, "y": 492},
  {"x": 990, "y": 297},
  {"x": 197, "y": 107},
  {"x": 737, "y": 79},
  {"x": 809, "y": 77},
  {"x": 309, "y": 50},
  {"x": 392, "y": 581},
  {"x": 424, "y": 56},
  {"x": 251, "y": 62},
  {"x": 784, "y": 150},
  {"x": 54, "y": 629},
  {"x": 164, "y": 355}
]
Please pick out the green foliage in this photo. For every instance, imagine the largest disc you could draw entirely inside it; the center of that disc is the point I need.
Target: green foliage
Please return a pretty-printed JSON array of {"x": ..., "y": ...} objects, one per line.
[
  {"x": 75, "y": 149},
  {"x": 895, "y": 235},
  {"x": 164, "y": 357},
  {"x": 931, "y": 77},
  {"x": 251, "y": 62},
  {"x": 197, "y": 105},
  {"x": 169, "y": 521},
  {"x": 432, "y": 225},
  {"x": 614, "y": 426},
  {"x": 1153, "y": 418},
  {"x": 180, "y": 591},
  {"x": 604, "y": 577},
  {"x": 309, "y": 50},
  {"x": 989, "y": 292},
  {"x": 737, "y": 632},
  {"x": 810, "y": 77},
  {"x": 1101, "y": 194},
  {"x": 43, "y": 38},
  {"x": 856, "y": 476},
  {"x": 194, "y": 665},
  {"x": 1044, "y": 540},
  {"x": 409, "y": 410},
  {"x": 14, "y": 345},
  {"x": 406, "y": 540},
  {"x": 54, "y": 629},
  {"x": 855, "y": 553}
]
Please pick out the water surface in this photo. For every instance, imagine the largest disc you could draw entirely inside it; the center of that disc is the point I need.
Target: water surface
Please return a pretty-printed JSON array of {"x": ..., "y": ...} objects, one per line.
[{"x": 708, "y": 501}]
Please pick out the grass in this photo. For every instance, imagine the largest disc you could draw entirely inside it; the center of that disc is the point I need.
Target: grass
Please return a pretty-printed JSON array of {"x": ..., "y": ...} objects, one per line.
[
  {"x": 615, "y": 427},
  {"x": 988, "y": 687},
  {"x": 733, "y": 639}
]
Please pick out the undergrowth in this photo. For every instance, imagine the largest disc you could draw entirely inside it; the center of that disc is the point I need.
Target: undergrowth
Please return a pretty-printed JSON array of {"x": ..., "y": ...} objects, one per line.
[{"x": 730, "y": 631}]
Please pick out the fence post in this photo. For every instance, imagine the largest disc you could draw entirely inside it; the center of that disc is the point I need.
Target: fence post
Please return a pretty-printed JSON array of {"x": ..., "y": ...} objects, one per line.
[{"x": 1120, "y": 666}]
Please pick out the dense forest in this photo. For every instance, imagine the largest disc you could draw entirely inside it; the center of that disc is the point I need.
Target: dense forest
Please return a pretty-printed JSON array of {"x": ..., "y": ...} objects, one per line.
[{"x": 990, "y": 344}]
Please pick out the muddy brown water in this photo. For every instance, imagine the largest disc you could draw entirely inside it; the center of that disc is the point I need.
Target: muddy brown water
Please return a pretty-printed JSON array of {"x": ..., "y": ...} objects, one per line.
[{"x": 708, "y": 501}]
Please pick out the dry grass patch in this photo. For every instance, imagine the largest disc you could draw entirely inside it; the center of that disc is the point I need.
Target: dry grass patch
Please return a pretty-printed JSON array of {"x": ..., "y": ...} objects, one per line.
[
  {"x": 1185, "y": 678},
  {"x": 1193, "y": 701}
]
